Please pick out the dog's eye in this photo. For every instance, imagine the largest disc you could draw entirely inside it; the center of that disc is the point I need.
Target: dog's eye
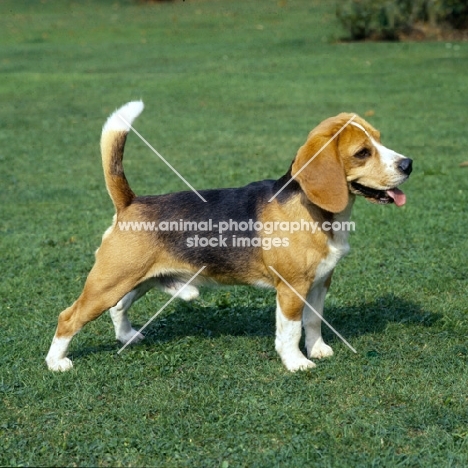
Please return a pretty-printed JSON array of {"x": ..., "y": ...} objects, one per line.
[{"x": 363, "y": 154}]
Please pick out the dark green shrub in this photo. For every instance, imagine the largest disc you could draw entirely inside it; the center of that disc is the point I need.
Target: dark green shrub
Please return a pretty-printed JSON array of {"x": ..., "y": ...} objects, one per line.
[
  {"x": 456, "y": 13},
  {"x": 376, "y": 19},
  {"x": 387, "y": 19}
]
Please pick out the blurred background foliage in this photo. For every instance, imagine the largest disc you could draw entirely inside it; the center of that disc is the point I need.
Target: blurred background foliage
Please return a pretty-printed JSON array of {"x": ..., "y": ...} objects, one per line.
[{"x": 389, "y": 20}]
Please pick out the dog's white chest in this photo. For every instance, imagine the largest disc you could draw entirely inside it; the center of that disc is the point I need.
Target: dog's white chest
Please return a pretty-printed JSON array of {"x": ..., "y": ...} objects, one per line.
[
  {"x": 338, "y": 247},
  {"x": 337, "y": 250}
]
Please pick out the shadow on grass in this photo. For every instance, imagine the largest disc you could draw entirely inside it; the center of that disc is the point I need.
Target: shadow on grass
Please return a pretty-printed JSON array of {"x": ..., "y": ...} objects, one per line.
[
  {"x": 354, "y": 320},
  {"x": 374, "y": 317},
  {"x": 195, "y": 319}
]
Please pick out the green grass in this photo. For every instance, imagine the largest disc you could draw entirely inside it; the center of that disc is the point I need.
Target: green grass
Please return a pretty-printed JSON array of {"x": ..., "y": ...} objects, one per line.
[{"x": 231, "y": 91}]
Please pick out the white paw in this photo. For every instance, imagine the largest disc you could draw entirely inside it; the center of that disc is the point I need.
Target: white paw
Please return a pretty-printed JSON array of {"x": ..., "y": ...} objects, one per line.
[
  {"x": 300, "y": 363},
  {"x": 132, "y": 335},
  {"x": 320, "y": 350},
  {"x": 188, "y": 293},
  {"x": 59, "y": 365}
]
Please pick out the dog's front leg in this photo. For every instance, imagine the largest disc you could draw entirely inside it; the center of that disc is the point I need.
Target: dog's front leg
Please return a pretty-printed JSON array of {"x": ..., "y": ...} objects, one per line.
[
  {"x": 312, "y": 321},
  {"x": 288, "y": 330}
]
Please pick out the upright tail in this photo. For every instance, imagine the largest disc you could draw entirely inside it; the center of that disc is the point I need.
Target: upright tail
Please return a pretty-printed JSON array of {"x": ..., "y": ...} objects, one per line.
[{"x": 114, "y": 135}]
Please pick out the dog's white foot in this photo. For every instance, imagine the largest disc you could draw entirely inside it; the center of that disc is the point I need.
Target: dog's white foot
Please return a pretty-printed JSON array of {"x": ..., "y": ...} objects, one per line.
[
  {"x": 56, "y": 360},
  {"x": 320, "y": 350},
  {"x": 59, "y": 365},
  {"x": 186, "y": 292},
  {"x": 298, "y": 363},
  {"x": 292, "y": 357},
  {"x": 189, "y": 293},
  {"x": 288, "y": 334},
  {"x": 133, "y": 335}
]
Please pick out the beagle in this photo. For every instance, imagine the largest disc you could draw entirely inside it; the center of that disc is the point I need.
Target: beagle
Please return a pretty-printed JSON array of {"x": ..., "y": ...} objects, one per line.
[{"x": 341, "y": 159}]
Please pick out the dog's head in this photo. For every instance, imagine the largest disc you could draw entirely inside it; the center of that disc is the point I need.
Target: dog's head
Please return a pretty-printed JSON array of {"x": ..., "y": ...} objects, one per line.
[{"x": 344, "y": 155}]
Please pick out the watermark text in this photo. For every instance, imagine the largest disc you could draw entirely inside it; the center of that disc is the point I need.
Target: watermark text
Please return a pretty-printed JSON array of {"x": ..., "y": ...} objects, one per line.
[{"x": 220, "y": 227}]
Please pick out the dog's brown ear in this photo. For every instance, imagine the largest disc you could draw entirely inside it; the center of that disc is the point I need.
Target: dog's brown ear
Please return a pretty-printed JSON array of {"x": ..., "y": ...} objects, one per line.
[{"x": 320, "y": 172}]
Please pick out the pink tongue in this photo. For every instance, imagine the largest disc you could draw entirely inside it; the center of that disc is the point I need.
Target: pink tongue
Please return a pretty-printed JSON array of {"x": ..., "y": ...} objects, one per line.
[{"x": 398, "y": 196}]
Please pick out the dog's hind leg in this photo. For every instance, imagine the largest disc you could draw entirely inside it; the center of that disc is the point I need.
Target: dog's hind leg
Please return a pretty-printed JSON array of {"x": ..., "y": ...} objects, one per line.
[
  {"x": 123, "y": 328},
  {"x": 108, "y": 282},
  {"x": 184, "y": 291}
]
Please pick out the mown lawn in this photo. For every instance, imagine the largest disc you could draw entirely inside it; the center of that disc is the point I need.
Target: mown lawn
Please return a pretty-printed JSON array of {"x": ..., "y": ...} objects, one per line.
[{"x": 231, "y": 90}]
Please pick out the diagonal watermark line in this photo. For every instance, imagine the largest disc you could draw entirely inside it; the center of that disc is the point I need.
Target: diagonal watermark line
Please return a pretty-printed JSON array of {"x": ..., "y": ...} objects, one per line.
[
  {"x": 161, "y": 309},
  {"x": 314, "y": 311},
  {"x": 312, "y": 158},
  {"x": 161, "y": 157}
]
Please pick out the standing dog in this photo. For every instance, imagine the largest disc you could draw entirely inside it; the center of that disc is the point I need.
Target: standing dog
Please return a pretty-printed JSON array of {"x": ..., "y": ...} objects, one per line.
[{"x": 341, "y": 159}]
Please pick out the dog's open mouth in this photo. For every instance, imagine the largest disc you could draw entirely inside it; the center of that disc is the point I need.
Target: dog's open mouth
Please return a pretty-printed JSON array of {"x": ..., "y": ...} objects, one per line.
[{"x": 382, "y": 197}]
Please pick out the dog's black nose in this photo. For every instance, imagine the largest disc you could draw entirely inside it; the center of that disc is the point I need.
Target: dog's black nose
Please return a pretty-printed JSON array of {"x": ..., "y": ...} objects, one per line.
[{"x": 406, "y": 166}]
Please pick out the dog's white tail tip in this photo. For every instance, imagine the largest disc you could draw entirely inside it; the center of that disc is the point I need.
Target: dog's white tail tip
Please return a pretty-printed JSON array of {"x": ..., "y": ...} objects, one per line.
[{"x": 122, "y": 118}]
